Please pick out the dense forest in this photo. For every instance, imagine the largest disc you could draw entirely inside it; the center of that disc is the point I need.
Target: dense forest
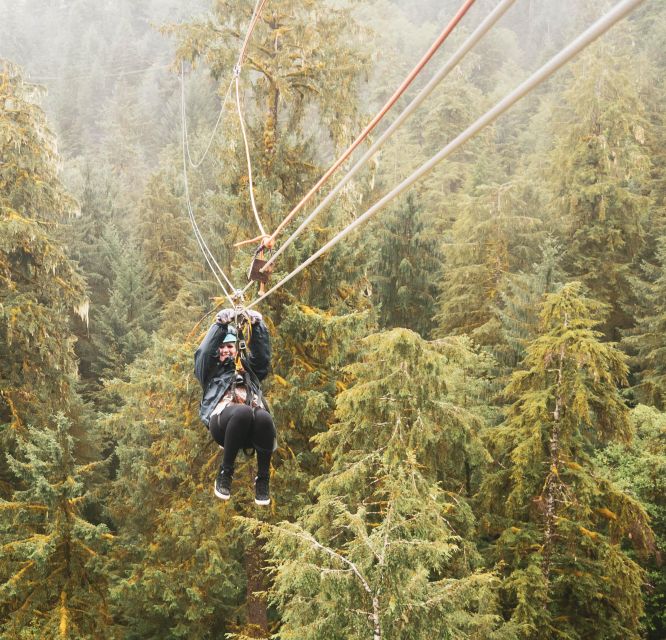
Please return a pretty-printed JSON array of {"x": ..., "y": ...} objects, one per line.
[{"x": 469, "y": 390}]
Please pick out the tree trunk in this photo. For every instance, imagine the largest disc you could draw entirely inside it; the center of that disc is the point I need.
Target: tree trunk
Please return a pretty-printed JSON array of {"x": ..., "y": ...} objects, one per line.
[{"x": 255, "y": 601}]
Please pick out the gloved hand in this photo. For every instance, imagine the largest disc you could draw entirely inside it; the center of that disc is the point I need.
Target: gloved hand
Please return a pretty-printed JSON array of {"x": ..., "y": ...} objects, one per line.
[
  {"x": 225, "y": 316},
  {"x": 255, "y": 316}
]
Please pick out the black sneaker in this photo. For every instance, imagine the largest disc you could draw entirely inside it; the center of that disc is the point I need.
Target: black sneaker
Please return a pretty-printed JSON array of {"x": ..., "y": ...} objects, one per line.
[
  {"x": 262, "y": 494},
  {"x": 223, "y": 485}
]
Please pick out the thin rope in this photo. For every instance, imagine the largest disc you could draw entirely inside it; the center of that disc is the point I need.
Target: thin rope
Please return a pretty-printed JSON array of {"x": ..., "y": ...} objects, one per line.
[
  {"x": 583, "y": 40},
  {"x": 455, "y": 59},
  {"x": 241, "y": 57},
  {"x": 247, "y": 155},
  {"x": 196, "y": 165},
  {"x": 382, "y": 112},
  {"x": 210, "y": 259},
  {"x": 208, "y": 255}
]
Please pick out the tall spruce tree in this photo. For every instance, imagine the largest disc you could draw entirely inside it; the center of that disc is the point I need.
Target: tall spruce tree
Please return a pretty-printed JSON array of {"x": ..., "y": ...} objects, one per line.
[
  {"x": 405, "y": 263},
  {"x": 600, "y": 167},
  {"x": 647, "y": 340},
  {"x": 52, "y": 578},
  {"x": 41, "y": 287},
  {"x": 559, "y": 523},
  {"x": 387, "y": 551},
  {"x": 520, "y": 303},
  {"x": 164, "y": 235},
  {"x": 495, "y": 234},
  {"x": 122, "y": 327},
  {"x": 84, "y": 236},
  {"x": 639, "y": 468},
  {"x": 177, "y": 562}
]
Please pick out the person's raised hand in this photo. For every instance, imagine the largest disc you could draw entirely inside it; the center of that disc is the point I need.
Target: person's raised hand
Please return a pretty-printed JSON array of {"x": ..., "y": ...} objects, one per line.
[
  {"x": 255, "y": 316},
  {"x": 225, "y": 316}
]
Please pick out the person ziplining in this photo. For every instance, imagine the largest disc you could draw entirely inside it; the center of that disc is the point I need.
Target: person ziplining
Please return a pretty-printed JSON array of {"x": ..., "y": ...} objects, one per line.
[{"x": 233, "y": 406}]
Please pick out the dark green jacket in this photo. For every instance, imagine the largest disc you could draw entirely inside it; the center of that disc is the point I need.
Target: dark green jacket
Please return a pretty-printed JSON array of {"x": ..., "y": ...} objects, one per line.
[{"x": 217, "y": 377}]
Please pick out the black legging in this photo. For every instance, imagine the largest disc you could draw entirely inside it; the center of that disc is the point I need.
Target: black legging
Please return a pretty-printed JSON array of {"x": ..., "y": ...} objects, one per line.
[{"x": 240, "y": 426}]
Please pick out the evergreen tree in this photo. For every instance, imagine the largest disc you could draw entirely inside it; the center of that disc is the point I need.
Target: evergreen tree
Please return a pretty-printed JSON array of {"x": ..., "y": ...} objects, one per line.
[
  {"x": 121, "y": 329},
  {"x": 387, "y": 551},
  {"x": 41, "y": 287},
  {"x": 520, "y": 303},
  {"x": 406, "y": 260},
  {"x": 84, "y": 236},
  {"x": 639, "y": 468},
  {"x": 559, "y": 522},
  {"x": 177, "y": 560},
  {"x": 52, "y": 583},
  {"x": 648, "y": 339},
  {"x": 121, "y": 146},
  {"x": 600, "y": 165},
  {"x": 496, "y": 234},
  {"x": 164, "y": 235}
]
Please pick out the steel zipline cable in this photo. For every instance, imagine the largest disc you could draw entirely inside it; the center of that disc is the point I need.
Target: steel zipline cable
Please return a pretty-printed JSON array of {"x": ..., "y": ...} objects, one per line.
[
  {"x": 603, "y": 24},
  {"x": 83, "y": 76},
  {"x": 208, "y": 255},
  {"x": 444, "y": 71},
  {"x": 455, "y": 59},
  {"x": 378, "y": 117}
]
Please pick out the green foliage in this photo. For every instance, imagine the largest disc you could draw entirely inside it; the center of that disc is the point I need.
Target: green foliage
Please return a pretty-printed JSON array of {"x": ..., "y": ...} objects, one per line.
[
  {"x": 309, "y": 350},
  {"x": 387, "y": 548},
  {"x": 84, "y": 236},
  {"x": 559, "y": 522},
  {"x": 495, "y": 234},
  {"x": 297, "y": 49},
  {"x": 600, "y": 165},
  {"x": 406, "y": 261},
  {"x": 648, "y": 339},
  {"x": 176, "y": 560},
  {"x": 122, "y": 327},
  {"x": 639, "y": 468},
  {"x": 41, "y": 288},
  {"x": 379, "y": 517},
  {"x": 52, "y": 580},
  {"x": 165, "y": 236},
  {"x": 521, "y": 300}
]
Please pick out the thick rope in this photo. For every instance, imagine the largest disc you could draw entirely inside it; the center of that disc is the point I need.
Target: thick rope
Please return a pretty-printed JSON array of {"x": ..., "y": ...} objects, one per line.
[
  {"x": 197, "y": 164},
  {"x": 602, "y": 25},
  {"x": 208, "y": 255},
  {"x": 247, "y": 155}
]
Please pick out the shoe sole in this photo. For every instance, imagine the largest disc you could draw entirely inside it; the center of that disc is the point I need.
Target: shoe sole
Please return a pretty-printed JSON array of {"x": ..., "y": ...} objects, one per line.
[
  {"x": 262, "y": 503},
  {"x": 221, "y": 496}
]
